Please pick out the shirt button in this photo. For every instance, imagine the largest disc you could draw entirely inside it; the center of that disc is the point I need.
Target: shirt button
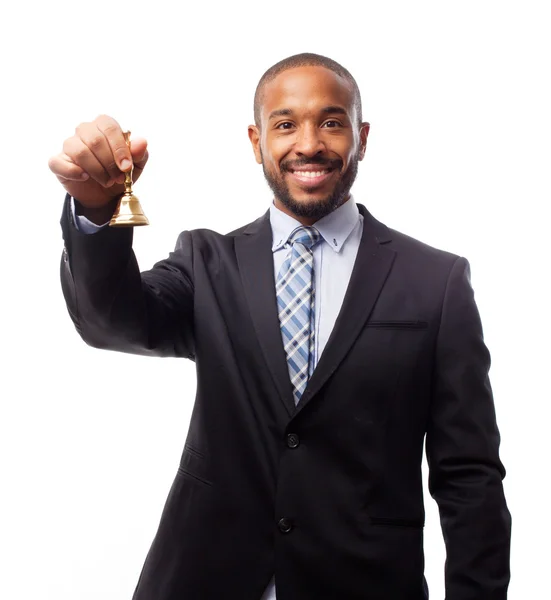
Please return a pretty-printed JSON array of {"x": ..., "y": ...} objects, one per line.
[
  {"x": 293, "y": 440},
  {"x": 284, "y": 525}
]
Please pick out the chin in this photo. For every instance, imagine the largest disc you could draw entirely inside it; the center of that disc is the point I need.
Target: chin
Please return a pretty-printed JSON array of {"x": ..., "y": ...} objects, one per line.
[
  {"x": 311, "y": 207},
  {"x": 311, "y": 203}
]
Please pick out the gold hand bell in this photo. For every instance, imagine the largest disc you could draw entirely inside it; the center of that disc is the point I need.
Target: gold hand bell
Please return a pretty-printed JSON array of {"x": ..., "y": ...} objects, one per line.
[{"x": 129, "y": 211}]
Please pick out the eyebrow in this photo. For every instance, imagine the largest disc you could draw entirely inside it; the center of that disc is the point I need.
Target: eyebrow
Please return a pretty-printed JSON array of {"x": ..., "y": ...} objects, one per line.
[
  {"x": 287, "y": 112},
  {"x": 282, "y": 112},
  {"x": 338, "y": 110}
]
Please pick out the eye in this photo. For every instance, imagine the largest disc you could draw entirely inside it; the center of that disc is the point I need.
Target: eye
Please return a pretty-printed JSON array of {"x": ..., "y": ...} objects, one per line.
[
  {"x": 284, "y": 125},
  {"x": 331, "y": 124}
]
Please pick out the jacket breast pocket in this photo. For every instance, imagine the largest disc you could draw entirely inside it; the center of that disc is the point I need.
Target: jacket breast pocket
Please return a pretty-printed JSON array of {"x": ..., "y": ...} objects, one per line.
[
  {"x": 386, "y": 346},
  {"x": 397, "y": 522},
  {"x": 193, "y": 465},
  {"x": 398, "y": 324}
]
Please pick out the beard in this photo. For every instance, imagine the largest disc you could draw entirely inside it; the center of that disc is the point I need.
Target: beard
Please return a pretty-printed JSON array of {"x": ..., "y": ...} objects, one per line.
[{"x": 313, "y": 209}]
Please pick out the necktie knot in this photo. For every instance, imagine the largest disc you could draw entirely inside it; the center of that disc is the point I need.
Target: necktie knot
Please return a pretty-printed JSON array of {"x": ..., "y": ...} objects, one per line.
[{"x": 307, "y": 236}]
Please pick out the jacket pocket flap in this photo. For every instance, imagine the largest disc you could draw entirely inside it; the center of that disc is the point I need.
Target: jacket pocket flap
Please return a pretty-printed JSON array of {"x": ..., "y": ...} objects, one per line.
[
  {"x": 396, "y": 324},
  {"x": 399, "y": 522},
  {"x": 193, "y": 464}
]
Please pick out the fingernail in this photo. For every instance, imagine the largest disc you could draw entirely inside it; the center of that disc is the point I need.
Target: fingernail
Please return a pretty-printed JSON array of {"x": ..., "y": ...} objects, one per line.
[{"x": 125, "y": 164}]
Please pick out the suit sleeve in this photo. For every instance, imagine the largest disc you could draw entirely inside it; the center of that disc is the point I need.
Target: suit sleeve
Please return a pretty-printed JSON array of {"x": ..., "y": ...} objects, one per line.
[
  {"x": 462, "y": 445},
  {"x": 114, "y": 306}
]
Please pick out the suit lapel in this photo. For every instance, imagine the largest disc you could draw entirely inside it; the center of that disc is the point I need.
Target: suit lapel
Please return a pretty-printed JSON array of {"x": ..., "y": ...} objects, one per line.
[
  {"x": 371, "y": 268},
  {"x": 256, "y": 265}
]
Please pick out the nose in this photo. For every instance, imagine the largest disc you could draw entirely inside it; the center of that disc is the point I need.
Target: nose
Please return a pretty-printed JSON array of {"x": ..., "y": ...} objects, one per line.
[{"x": 308, "y": 141}]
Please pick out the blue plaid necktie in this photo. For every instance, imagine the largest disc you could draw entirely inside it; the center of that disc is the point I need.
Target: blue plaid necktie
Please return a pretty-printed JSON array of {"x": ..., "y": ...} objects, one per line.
[{"x": 295, "y": 301}]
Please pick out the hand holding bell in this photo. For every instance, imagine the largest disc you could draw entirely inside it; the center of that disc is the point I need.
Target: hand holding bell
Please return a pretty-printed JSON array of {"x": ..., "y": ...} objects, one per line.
[
  {"x": 97, "y": 167},
  {"x": 129, "y": 211}
]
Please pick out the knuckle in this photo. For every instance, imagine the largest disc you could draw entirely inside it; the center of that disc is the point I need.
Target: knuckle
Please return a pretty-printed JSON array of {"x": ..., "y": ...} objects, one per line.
[
  {"x": 81, "y": 127},
  {"x": 110, "y": 128},
  {"x": 70, "y": 146},
  {"x": 75, "y": 147},
  {"x": 96, "y": 142},
  {"x": 106, "y": 124},
  {"x": 80, "y": 153}
]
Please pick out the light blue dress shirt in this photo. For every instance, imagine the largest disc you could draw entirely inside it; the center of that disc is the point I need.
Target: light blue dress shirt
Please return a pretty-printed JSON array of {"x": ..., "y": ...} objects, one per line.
[{"x": 334, "y": 257}]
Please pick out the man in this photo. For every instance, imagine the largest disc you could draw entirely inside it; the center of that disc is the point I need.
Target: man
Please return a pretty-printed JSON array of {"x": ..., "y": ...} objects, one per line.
[{"x": 327, "y": 347}]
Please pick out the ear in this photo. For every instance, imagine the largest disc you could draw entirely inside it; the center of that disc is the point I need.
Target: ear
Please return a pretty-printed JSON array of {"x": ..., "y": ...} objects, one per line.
[
  {"x": 364, "y": 132},
  {"x": 254, "y": 136}
]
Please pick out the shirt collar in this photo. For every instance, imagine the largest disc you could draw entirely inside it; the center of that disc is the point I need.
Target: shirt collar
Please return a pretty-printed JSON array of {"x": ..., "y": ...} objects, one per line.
[{"x": 335, "y": 228}]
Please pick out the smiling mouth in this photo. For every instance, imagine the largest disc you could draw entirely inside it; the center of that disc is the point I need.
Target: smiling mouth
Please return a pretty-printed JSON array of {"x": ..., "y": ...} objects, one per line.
[
  {"x": 312, "y": 173},
  {"x": 313, "y": 178}
]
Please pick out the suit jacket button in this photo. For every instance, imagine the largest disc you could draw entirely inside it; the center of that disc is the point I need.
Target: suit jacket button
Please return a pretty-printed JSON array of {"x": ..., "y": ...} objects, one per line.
[
  {"x": 284, "y": 525},
  {"x": 293, "y": 440}
]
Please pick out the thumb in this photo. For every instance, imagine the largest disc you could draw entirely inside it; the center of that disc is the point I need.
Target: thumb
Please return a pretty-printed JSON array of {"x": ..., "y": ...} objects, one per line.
[{"x": 138, "y": 149}]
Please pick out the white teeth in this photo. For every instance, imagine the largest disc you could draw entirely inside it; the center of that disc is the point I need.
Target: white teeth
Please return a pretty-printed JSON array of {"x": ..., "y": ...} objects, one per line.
[{"x": 311, "y": 174}]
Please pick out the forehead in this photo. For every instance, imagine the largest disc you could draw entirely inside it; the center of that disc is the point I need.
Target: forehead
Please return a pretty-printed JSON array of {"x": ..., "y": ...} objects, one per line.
[{"x": 307, "y": 89}]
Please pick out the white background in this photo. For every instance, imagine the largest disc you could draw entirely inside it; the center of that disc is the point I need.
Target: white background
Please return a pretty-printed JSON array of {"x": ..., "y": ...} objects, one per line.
[{"x": 458, "y": 156}]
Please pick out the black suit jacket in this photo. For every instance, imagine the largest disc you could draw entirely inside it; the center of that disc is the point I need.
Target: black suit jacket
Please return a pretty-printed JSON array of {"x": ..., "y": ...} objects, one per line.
[{"x": 327, "y": 494}]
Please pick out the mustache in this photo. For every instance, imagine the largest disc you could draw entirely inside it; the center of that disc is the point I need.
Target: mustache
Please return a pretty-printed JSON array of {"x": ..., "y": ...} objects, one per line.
[{"x": 290, "y": 165}]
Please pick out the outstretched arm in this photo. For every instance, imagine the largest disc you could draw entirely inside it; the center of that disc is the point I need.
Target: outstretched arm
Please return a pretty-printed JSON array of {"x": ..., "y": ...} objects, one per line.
[{"x": 115, "y": 307}]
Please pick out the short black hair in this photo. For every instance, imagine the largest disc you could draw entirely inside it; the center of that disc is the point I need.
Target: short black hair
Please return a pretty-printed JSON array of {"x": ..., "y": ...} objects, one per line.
[{"x": 306, "y": 59}]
